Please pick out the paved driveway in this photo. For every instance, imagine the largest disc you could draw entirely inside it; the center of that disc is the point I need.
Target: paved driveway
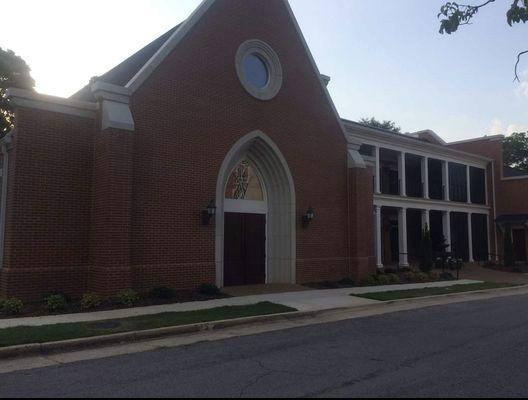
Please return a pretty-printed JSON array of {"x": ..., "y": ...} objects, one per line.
[{"x": 466, "y": 349}]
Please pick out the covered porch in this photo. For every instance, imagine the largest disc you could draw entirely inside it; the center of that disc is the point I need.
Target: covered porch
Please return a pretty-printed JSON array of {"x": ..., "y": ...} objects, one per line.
[{"x": 399, "y": 233}]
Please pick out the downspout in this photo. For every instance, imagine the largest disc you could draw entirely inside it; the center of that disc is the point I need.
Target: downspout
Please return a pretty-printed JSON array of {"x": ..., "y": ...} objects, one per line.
[{"x": 6, "y": 144}]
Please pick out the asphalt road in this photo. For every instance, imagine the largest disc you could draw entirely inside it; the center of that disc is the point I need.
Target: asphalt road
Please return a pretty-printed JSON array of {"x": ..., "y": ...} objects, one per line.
[{"x": 466, "y": 349}]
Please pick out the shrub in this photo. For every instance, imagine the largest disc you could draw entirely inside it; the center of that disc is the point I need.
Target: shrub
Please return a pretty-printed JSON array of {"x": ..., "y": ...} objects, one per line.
[
  {"x": 426, "y": 251},
  {"x": 347, "y": 282},
  {"x": 383, "y": 279},
  {"x": 209, "y": 289},
  {"x": 394, "y": 278},
  {"x": 90, "y": 301},
  {"x": 447, "y": 276},
  {"x": 55, "y": 302},
  {"x": 2, "y": 301},
  {"x": 434, "y": 276},
  {"x": 163, "y": 293},
  {"x": 409, "y": 276},
  {"x": 369, "y": 281},
  {"x": 12, "y": 306},
  {"x": 127, "y": 298},
  {"x": 421, "y": 277}
]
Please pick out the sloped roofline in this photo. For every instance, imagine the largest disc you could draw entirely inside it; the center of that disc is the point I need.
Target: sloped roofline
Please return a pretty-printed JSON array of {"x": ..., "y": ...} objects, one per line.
[
  {"x": 182, "y": 31},
  {"x": 178, "y": 35}
]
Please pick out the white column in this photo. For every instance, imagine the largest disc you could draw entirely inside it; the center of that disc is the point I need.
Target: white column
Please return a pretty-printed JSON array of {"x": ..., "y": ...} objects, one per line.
[
  {"x": 378, "y": 233},
  {"x": 490, "y": 257},
  {"x": 402, "y": 174},
  {"x": 402, "y": 232},
  {"x": 468, "y": 174},
  {"x": 425, "y": 177},
  {"x": 445, "y": 180},
  {"x": 470, "y": 238},
  {"x": 426, "y": 219},
  {"x": 447, "y": 228},
  {"x": 377, "y": 175}
]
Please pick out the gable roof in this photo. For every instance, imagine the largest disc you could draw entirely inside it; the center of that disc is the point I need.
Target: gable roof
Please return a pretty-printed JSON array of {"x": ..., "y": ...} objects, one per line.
[{"x": 123, "y": 73}]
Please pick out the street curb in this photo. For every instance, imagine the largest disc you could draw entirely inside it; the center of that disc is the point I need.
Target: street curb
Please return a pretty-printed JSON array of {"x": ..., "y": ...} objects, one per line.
[{"x": 136, "y": 336}]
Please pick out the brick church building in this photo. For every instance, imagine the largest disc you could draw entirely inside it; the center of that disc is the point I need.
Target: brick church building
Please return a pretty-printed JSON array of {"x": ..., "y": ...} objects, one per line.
[{"x": 215, "y": 155}]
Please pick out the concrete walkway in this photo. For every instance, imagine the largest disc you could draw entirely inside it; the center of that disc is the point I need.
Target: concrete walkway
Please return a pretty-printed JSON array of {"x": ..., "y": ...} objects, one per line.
[{"x": 310, "y": 300}]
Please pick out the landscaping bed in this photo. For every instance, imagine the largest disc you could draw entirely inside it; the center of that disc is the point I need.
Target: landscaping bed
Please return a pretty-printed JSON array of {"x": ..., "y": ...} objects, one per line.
[
  {"x": 436, "y": 291},
  {"x": 53, "y": 333},
  {"x": 391, "y": 277},
  {"x": 519, "y": 269},
  {"x": 60, "y": 304}
]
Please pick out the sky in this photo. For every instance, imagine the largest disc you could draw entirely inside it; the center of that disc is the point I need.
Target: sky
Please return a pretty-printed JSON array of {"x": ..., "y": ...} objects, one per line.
[{"x": 386, "y": 58}]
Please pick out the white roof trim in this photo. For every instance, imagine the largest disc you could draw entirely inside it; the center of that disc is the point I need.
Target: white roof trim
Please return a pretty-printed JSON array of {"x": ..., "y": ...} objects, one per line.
[
  {"x": 438, "y": 139},
  {"x": 168, "y": 46},
  {"x": 29, "y": 99},
  {"x": 368, "y": 134}
]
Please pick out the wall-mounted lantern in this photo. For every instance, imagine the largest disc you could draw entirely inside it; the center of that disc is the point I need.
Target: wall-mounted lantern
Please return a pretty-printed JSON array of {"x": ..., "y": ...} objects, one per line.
[
  {"x": 208, "y": 213},
  {"x": 308, "y": 217}
]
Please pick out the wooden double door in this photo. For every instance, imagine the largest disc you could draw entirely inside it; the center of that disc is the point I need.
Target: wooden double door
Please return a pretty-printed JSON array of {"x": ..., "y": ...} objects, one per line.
[
  {"x": 244, "y": 249},
  {"x": 519, "y": 245}
]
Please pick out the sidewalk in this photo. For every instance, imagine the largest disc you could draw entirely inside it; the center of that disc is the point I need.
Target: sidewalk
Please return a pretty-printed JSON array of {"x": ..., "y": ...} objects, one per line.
[{"x": 304, "y": 301}]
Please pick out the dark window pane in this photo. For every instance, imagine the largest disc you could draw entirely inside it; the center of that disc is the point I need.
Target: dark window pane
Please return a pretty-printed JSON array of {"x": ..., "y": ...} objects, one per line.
[
  {"x": 478, "y": 185},
  {"x": 458, "y": 182},
  {"x": 256, "y": 70}
]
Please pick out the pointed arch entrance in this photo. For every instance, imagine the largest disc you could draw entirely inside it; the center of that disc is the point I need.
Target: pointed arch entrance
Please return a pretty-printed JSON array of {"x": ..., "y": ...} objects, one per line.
[{"x": 256, "y": 200}]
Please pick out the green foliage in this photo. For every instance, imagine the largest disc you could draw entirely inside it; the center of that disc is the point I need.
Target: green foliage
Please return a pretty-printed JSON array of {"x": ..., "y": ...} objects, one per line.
[
  {"x": 14, "y": 72},
  {"x": 386, "y": 125},
  {"x": 209, "y": 289},
  {"x": 347, "y": 282},
  {"x": 55, "y": 302},
  {"x": 90, "y": 301},
  {"x": 2, "y": 301},
  {"x": 422, "y": 277},
  {"x": 426, "y": 251},
  {"x": 383, "y": 279},
  {"x": 369, "y": 280},
  {"x": 394, "y": 278},
  {"x": 516, "y": 151},
  {"x": 509, "y": 257},
  {"x": 12, "y": 306},
  {"x": 163, "y": 293},
  {"x": 453, "y": 15},
  {"x": 127, "y": 298}
]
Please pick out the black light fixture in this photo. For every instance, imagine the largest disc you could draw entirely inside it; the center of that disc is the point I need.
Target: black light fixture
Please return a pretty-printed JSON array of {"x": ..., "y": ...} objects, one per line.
[
  {"x": 308, "y": 217},
  {"x": 208, "y": 213}
]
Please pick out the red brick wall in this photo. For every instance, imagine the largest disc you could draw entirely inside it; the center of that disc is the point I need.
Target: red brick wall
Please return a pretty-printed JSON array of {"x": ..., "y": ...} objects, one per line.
[
  {"x": 48, "y": 203},
  {"x": 190, "y": 113},
  {"x": 510, "y": 195},
  {"x": 110, "y": 210}
]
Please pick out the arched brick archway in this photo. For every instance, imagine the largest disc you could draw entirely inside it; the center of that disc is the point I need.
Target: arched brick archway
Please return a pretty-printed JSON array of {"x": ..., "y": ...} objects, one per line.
[{"x": 277, "y": 179}]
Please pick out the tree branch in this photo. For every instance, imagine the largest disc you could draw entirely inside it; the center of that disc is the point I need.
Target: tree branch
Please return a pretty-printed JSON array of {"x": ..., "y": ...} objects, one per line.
[{"x": 517, "y": 65}]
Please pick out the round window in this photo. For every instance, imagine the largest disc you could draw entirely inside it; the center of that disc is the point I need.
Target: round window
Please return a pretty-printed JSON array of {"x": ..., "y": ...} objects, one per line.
[
  {"x": 259, "y": 69},
  {"x": 256, "y": 70}
]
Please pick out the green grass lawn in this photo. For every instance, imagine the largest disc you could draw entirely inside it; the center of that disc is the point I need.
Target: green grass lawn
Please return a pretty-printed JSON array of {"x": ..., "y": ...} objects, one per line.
[
  {"x": 54, "y": 333},
  {"x": 414, "y": 293}
]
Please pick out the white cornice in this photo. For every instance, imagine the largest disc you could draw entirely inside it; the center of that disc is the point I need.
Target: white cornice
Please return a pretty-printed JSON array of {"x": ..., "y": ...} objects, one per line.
[
  {"x": 29, "y": 99},
  {"x": 426, "y": 204},
  {"x": 397, "y": 142},
  {"x": 480, "y": 139}
]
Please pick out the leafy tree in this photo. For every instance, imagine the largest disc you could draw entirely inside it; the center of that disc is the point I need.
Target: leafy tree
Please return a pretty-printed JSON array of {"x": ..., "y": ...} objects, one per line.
[
  {"x": 509, "y": 257},
  {"x": 516, "y": 151},
  {"x": 426, "y": 251},
  {"x": 14, "y": 72},
  {"x": 453, "y": 15},
  {"x": 386, "y": 125}
]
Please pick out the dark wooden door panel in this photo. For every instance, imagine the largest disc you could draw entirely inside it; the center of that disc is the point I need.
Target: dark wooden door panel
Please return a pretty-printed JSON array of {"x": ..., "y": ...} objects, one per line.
[
  {"x": 244, "y": 249},
  {"x": 255, "y": 249},
  {"x": 233, "y": 250},
  {"x": 519, "y": 244}
]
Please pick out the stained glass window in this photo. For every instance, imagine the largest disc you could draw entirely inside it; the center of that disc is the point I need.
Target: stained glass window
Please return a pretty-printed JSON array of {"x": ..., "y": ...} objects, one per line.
[{"x": 244, "y": 184}]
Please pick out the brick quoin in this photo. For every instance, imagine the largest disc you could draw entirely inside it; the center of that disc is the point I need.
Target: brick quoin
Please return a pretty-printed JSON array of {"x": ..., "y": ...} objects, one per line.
[{"x": 105, "y": 210}]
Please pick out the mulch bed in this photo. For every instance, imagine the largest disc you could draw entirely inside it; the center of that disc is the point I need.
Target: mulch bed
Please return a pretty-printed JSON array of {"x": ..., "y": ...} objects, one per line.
[
  {"x": 518, "y": 269},
  {"x": 181, "y": 296}
]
